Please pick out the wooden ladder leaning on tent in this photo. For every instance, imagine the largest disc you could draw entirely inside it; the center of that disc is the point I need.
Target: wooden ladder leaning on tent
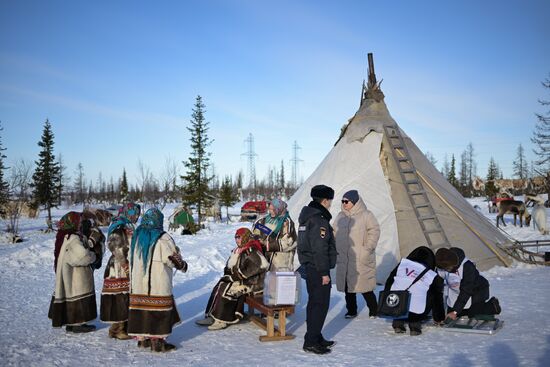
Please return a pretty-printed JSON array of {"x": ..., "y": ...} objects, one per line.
[{"x": 429, "y": 223}]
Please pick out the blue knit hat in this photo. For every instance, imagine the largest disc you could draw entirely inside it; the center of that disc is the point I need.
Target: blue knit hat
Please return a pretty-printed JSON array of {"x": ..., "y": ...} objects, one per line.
[{"x": 352, "y": 195}]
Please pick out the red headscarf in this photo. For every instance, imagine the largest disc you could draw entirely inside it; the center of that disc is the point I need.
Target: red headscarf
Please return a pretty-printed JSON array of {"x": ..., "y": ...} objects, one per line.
[
  {"x": 68, "y": 224},
  {"x": 247, "y": 241}
]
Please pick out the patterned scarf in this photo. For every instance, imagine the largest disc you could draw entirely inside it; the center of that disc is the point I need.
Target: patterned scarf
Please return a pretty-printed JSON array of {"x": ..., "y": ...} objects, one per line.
[
  {"x": 146, "y": 235},
  {"x": 281, "y": 214},
  {"x": 246, "y": 235},
  {"x": 127, "y": 216},
  {"x": 68, "y": 224}
]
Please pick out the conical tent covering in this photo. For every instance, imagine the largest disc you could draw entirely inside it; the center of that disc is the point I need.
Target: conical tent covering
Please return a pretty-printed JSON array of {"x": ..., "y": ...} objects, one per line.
[{"x": 362, "y": 160}]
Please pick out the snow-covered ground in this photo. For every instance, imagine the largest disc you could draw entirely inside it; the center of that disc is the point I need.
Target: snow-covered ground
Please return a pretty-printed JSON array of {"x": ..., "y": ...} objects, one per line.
[{"x": 27, "y": 338}]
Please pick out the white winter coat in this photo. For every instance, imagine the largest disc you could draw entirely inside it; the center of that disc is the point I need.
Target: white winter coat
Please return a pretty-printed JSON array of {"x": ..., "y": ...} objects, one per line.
[
  {"x": 161, "y": 269},
  {"x": 74, "y": 277}
]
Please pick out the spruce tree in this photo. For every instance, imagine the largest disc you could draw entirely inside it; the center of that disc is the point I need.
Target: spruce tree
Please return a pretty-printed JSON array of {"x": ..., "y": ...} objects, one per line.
[
  {"x": 46, "y": 175},
  {"x": 195, "y": 190},
  {"x": 123, "y": 186},
  {"x": 452, "y": 173},
  {"x": 4, "y": 187},
  {"x": 228, "y": 195},
  {"x": 492, "y": 175}
]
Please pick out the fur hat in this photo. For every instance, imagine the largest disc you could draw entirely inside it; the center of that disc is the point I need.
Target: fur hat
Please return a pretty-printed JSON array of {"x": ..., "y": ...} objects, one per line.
[
  {"x": 446, "y": 259},
  {"x": 322, "y": 192},
  {"x": 352, "y": 195}
]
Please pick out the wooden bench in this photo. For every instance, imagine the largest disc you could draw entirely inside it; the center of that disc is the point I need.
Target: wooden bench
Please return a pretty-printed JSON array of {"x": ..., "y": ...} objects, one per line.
[{"x": 273, "y": 333}]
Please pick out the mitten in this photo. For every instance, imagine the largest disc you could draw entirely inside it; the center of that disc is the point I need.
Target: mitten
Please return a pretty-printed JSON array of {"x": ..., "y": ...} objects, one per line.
[{"x": 178, "y": 262}]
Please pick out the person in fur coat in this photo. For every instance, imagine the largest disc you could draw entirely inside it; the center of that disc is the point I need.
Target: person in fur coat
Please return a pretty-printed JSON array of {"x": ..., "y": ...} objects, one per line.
[
  {"x": 153, "y": 256},
  {"x": 243, "y": 274},
  {"x": 426, "y": 293},
  {"x": 277, "y": 234},
  {"x": 116, "y": 283},
  {"x": 356, "y": 231},
  {"x": 73, "y": 303}
]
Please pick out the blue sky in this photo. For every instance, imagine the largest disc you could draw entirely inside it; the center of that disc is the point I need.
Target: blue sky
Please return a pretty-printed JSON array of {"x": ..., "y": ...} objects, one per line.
[{"x": 118, "y": 79}]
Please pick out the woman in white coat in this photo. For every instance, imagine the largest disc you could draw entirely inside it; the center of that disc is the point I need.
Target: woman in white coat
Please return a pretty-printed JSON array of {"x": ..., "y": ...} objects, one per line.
[
  {"x": 356, "y": 232},
  {"x": 153, "y": 256}
]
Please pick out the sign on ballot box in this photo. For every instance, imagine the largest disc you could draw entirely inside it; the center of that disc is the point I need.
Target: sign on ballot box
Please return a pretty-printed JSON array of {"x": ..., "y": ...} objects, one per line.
[{"x": 281, "y": 288}]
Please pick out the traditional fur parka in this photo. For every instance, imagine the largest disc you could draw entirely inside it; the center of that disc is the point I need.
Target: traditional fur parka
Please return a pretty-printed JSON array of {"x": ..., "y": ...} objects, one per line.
[
  {"x": 116, "y": 283},
  {"x": 279, "y": 246},
  {"x": 153, "y": 256},
  {"x": 74, "y": 301},
  {"x": 243, "y": 274}
]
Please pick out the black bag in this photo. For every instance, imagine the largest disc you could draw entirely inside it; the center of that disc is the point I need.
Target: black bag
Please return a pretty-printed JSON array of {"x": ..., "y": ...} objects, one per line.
[{"x": 395, "y": 304}]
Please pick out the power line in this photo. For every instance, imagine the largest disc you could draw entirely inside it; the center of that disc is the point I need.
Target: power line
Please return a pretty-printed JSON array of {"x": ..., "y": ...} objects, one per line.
[
  {"x": 251, "y": 155},
  {"x": 295, "y": 161}
]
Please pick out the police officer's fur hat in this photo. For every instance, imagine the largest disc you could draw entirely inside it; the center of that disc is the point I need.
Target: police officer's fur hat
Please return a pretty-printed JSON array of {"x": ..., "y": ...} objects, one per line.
[{"x": 322, "y": 192}]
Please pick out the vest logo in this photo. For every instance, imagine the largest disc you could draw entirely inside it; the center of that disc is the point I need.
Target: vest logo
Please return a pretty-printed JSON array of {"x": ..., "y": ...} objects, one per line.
[
  {"x": 392, "y": 300},
  {"x": 409, "y": 272}
]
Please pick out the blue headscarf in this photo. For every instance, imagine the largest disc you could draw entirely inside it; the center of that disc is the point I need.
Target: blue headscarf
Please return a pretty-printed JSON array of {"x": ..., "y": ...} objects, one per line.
[
  {"x": 147, "y": 234},
  {"x": 127, "y": 216},
  {"x": 281, "y": 214}
]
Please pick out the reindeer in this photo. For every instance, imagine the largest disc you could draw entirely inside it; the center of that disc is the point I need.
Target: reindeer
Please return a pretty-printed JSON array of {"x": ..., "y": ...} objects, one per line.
[
  {"x": 538, "y": 214},
  {"x": 515, "y": 207}
]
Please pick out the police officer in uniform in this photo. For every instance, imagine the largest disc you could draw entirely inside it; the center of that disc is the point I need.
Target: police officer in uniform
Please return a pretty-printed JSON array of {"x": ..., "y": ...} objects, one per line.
[{"x": 317, "y": 254}]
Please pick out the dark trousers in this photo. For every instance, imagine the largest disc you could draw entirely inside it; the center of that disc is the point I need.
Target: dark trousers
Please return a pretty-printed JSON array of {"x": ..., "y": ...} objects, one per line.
[
  {"x": 351, "y": 302},
  {"x": 479, "y": 306},
  {"x": 317, "y": 306}
]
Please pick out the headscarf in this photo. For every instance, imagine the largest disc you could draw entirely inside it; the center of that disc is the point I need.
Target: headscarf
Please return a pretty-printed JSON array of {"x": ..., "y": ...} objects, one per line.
[
  {"x": 130, "y": 211},
  {"x": 281, "y": 214},
  {"x": 247, "y": 241},
  {"x": 127, "y": 216},
  {"x": 147, "y": 234},
  {"x": 68, "y": 224}
]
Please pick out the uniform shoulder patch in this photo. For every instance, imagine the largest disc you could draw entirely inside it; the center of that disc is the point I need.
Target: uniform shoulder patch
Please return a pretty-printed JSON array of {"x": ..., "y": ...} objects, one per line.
[{"x": 323, "y": 232}]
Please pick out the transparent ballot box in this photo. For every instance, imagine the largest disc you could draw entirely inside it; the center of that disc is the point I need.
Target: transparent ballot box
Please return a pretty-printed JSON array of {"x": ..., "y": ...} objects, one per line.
[{"x": 281, "y": 288}]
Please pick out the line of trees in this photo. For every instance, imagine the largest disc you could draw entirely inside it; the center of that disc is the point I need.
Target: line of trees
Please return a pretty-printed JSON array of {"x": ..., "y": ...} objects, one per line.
[{"x": 48, "y": 185}]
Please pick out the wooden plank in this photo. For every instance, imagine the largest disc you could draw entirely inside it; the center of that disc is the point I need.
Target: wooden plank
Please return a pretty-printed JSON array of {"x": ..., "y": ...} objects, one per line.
[
  {"x": 270, "y": 326},
  {"x": 282, "y": 323}
]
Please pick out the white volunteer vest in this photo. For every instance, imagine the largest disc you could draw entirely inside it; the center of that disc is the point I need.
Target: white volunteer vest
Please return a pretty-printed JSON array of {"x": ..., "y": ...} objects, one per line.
[
  {"x": 407, "y": 271},
  {"x": 452, "y": 284}
]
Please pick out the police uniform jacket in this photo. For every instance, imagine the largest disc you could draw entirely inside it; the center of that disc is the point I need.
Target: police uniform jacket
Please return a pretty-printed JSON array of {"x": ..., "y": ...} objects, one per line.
[{"x": 316, "y": 245}]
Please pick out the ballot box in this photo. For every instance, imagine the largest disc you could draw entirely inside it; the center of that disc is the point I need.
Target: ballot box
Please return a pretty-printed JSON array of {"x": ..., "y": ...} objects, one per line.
[{"x": 281, "y": 288}]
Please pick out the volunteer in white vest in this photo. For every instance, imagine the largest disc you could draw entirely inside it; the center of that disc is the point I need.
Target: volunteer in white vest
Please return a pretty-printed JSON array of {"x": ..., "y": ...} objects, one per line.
[
  {"x": 426, "y": 293},
  {"x": 467, "y": 290}
]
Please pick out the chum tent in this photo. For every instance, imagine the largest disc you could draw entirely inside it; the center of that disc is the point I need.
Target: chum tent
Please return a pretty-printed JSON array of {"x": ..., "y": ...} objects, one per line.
[{"x": 374, "y": 156}]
